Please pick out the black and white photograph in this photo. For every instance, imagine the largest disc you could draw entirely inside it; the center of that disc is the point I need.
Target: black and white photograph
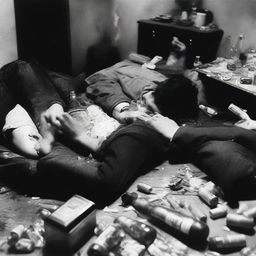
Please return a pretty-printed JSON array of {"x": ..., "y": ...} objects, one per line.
[{"x": 128, "y": 127}]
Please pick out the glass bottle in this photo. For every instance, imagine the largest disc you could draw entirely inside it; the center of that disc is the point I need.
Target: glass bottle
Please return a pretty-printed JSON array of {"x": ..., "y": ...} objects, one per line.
[
  {"x": 242, "y": 53},
  {"x": 139, "y": 231},
  {"x": 73, "y": 101},
  {"x": 234, "y": 50},
  {"x": 226, "y": 47},
  {"x": 194, "y": 229},
  {"x": 237, "y": 52},
  {"x": 106, "y": 241},
  {"x": 197, "y": 62}
]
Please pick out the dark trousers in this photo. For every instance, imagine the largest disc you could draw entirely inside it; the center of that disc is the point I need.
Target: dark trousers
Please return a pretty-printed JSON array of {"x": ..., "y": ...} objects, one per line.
[{"x": 226, "y": 154}]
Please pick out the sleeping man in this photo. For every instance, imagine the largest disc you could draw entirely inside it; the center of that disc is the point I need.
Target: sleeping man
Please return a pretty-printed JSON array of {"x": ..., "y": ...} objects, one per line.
[
  {"x": 135, "y": 147},
  {"x": 126, "y": 152},
  {"x": 117, "y": 87}
]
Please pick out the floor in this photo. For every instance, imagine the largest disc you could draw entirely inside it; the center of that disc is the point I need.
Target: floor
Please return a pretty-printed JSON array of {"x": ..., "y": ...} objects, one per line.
[{"x": 16, "y": 209}]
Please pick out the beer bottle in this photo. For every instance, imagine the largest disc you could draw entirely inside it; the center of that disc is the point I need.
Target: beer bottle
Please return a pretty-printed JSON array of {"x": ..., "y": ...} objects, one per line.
[
  {"x": 139, "y": 231},
  {"x": 194, "y": 229}
]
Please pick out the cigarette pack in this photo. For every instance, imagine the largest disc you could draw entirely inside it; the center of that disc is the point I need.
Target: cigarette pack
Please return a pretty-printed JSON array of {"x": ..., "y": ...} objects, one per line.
[{"x": 71, "y": 225}]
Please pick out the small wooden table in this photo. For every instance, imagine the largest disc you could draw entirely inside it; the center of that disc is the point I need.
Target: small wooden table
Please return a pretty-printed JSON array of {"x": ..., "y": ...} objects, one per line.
[{"x": 223, "y": 86}]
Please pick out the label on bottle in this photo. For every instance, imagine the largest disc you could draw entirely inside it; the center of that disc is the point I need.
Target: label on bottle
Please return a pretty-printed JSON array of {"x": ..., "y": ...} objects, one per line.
[
  {"x": 178, "y": 222},
  {"x": 110, "y": 231}
]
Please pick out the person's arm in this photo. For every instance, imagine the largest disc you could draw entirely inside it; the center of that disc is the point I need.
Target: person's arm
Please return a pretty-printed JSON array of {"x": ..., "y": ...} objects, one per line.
[
  {"x": 177, "y": 55},
  {"x": 106, "y": 92},
  {"x": 187, "y": 139},
  {"x": 164, "y": 125}
]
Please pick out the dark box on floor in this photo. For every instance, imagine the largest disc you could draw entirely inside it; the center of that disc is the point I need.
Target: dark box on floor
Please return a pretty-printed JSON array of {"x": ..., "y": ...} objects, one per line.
[{"x": 71, "y": 225}]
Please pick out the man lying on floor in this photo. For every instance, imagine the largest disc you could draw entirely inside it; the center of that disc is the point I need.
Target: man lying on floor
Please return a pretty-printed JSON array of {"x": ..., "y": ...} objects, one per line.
[
  {"x": 127, "y": 152},
  {"x": 131, "y": 150}
]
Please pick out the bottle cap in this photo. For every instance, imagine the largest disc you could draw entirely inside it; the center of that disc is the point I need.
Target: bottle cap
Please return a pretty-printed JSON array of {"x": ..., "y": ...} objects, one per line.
[
  {"x": 97, "y": 250},
  {"x": 127, "y": 198}
]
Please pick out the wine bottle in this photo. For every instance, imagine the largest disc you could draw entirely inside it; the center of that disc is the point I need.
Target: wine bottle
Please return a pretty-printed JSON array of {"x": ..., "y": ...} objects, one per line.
[
  {"x": 139, "y": 231},
  {"x": 73, "y": 101},
  {"x": 106, "y": 241},
  {"x": 196, "y": 230}
]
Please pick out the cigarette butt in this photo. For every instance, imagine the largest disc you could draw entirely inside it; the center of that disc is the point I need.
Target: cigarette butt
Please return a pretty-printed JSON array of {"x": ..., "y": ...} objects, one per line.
[{"x": 145, "y": 188}]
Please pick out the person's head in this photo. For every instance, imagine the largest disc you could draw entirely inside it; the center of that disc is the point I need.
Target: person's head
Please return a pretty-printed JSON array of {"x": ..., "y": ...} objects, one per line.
[{"x": 176, "y": 98}]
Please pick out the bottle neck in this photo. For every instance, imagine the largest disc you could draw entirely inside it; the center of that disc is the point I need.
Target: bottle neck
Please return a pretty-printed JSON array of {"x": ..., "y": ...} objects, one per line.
[
  {"x": 73, "y": 101},
  {"x": 239, "y": 44}
]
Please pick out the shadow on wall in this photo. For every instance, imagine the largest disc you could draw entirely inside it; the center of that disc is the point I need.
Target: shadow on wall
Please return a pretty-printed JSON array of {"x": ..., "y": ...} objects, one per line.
[
  {"x": 130, "y": 11},
  {"x": 96, "y": 17}
]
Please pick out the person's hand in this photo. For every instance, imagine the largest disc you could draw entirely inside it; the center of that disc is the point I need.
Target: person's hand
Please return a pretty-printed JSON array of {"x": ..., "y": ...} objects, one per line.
[
  {"x": 192, "y": 75},
  {"x": 178, "y": 45},
  {"x": 72, "y": 129},
  {"x": 130, "y": 116},
  {"x": 69, "y": 127},
  {"x": 164, "y": 125},
  {"x": 247, "y": 123},
  {"x": 52, "y": 113}
]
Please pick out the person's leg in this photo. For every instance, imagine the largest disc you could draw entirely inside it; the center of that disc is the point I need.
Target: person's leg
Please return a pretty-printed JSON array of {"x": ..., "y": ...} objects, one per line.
[
  {"x": 230, "y": 165},
  {"x": 33, "y": 88},
  {"x": 188, "y": 139},
  {"x": 121, "y": 162}
]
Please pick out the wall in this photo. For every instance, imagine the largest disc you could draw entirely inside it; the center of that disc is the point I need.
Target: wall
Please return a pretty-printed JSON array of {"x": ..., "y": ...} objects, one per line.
[
  {"x": 234, "y": 16},
  {"x": 129, "y": 12},
  {"x": 96, "y": 17},
  {"x": 8, "y": 46}
]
